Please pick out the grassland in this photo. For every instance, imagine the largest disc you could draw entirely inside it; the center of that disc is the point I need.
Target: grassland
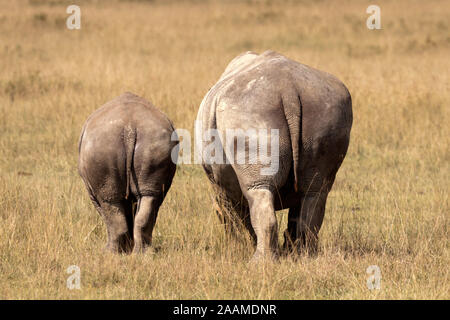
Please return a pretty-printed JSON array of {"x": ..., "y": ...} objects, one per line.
[{"x": 389, "y": 205}]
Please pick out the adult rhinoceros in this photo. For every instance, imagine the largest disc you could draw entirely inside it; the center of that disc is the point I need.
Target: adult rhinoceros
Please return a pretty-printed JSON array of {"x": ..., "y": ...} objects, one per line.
[
  {"x": 312, "y": 112},
  {"x": 125, "y": 162}
]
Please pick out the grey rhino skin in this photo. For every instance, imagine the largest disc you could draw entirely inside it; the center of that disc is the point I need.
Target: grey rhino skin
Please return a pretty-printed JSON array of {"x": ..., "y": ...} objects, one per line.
[
  {"x": 312, "y": 111},
  {"x": 125, "y": 162}
]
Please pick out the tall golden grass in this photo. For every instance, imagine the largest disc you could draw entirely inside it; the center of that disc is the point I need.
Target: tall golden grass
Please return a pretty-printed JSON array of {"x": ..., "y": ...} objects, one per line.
[{"x": 389, "y": 205}]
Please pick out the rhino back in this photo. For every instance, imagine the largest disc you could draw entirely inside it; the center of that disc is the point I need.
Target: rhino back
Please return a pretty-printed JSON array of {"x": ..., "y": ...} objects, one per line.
[
  {"x": 261, "y": 91},
  {"x": 104, "y": 141}
]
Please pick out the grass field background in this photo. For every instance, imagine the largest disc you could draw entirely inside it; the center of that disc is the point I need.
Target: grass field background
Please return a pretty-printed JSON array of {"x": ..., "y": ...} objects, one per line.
[{"x": 389, "y": 205}]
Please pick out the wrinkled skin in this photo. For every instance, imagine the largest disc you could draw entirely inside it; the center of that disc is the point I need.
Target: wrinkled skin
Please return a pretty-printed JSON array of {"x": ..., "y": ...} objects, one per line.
[
  {"x": 125, "y": 162},
  {"x": 313, "y": 112}
]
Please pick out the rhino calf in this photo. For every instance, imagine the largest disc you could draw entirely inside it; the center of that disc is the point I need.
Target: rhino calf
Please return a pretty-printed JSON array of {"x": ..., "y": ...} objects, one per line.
[{"x": 125, "y": 162}]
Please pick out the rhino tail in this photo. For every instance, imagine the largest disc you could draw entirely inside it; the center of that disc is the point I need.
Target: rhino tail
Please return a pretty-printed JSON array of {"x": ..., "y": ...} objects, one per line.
[
  {"x": 292, "y": 108},
  {"x": 130, "y": 143}
]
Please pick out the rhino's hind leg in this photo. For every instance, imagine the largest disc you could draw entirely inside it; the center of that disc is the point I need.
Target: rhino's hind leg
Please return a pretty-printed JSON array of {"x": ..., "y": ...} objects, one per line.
[
  {"x": 119, "y": 236},
  {"x": 144, "y": 222},
  {"x": 264, "y": 222},
  {"x": 310, "y": 220},
  {"x": 246, "y": 220},
  {"x": 234, "y": 218},
  {"x": 290, "y": 234},
  {"x": 304, "y": 223}
]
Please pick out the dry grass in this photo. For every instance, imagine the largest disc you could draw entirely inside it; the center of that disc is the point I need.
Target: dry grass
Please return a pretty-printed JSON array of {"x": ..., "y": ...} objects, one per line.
[{"x": 389, "y": 206}]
